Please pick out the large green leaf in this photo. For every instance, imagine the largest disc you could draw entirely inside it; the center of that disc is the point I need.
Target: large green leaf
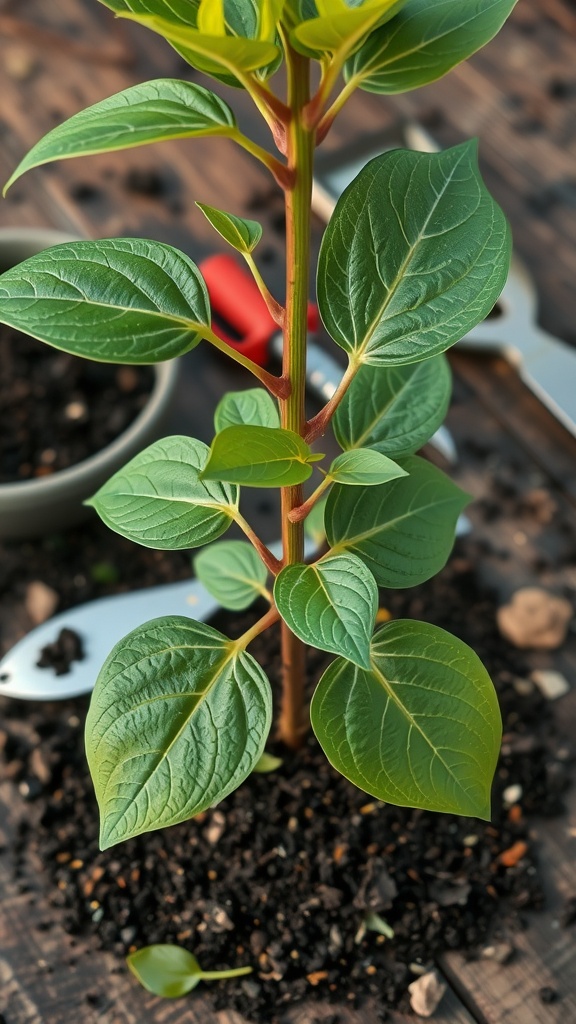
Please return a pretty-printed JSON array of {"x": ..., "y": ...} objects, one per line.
[
  {"x": 425, "y": 41},
  {"x": 178, "y": 719},
  {"x": 253, "y": 407},
  {"x": 421, "y": 728},
  {"x": 151, "y": 112},
  {"x": 404, "y": 530},
  {"x": 415, "y": 255},
  {"x": 118, "y": 300},
  {"x": 364, "y": 467},
  {"x": 159, "y": 500},
  {"x": 233, "y": 572},
  {"x": 342, "y": 25},
  {"x": 331, "y": 605},
  {"x": 259, "y": 457},
  {"x": 394, "y": 409},
  {"x": 242, "y": 234}
]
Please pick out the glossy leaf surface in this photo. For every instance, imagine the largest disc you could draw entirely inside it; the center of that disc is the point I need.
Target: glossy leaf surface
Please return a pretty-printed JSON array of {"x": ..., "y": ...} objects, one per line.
[
  {"x": 259, "y": 457},
  {"x": 178, "y": 719},
  {"x": 404, "y": 530},
  {"x": 242, "y": 234},
  {"x": 253, "y": 407},
  {"x": 421, "y": 728},
  {"x": 424, "y": 42},
  {"x": 151, "y": 112},
  {"x": 119, "y": 300},
  {"x": 394, "y": 409},
  {"x": 363, "y": 467},
  {"x": 158, "y": 499},
  {"x": 232, "y": 572},
  {"x": 415, "y": 255},
  {"x": 331, "y": 605},
  {"x": 340, "y": 24}
]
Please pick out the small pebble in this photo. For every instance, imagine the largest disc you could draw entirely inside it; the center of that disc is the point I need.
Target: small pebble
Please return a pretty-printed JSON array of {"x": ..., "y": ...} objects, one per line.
[
  {"x": 500, "y": 952},
  {"x": 535, "y": 619},
  {"x": 511, "y": 795},
  {"x": 550, "y": 683},
  {"x": 426, "y": 993},
  {"x": 40, "y": 601}
]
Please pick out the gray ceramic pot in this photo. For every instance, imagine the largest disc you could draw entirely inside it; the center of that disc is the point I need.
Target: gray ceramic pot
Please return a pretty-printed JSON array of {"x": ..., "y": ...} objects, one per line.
[{"x": 52, "y": 503}]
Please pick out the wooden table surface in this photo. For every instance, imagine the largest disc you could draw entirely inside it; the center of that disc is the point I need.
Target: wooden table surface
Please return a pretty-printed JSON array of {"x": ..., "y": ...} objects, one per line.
[{"x": 519, "y": 97}]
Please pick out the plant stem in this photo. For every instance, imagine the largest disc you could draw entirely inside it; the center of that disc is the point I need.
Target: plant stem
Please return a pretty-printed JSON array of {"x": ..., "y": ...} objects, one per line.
[
  {"x": 234, "y": 972},
  {"x": 297, "y": 515},
  {"x": 300, "y": 153},
  {"x": 267, "y": 620},
  {"x": 277, "y": 311},
  {"x": 319, "y": 423},
  {"x": 277, "y": 386},
  {"x": 272, "y": 563},
  {"x": 275, "y": 166}
]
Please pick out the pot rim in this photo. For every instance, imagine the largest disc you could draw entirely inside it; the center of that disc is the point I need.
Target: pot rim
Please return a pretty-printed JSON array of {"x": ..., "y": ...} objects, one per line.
[{"x": 164, "y": 379}]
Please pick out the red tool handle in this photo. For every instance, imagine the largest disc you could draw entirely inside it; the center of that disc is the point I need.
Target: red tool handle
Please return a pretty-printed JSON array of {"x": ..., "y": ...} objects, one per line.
[{"x": 236, "y": 300}]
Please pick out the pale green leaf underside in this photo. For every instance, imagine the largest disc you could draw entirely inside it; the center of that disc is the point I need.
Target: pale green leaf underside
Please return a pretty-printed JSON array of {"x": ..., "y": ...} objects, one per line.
[
  {"x": 268, "y": 763},
  {"x": 232, "y": 572},
  {"x": 420, "y": 729},
  {"x": 151, "y": 112},
  {"x": 253, "y": 407},
  {"x": 394, "y": 409},
  {"x": 404, "y": 530},
  {"x": 363, "y": 467},
  {"x": 178, "y": 720},
  {"x": 342, "y": 25},
  {"x": 415, "y": 255},
  {"x": 159, "y": 501},
  {"x": 242, "y": 234},
  {"x": 424, "y": 42},
  {"x": 331, "y": 605},
  {"x": 117, "y": 300},
  {"x": 165, "y": 970},
  {"x": 259, "y": 457}
]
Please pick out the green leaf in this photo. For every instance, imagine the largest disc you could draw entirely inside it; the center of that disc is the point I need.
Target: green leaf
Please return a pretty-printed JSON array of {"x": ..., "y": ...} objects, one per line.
[
  {"x": 314, "y": 523},
  {"x": 420, "y": 729},
  {"x": 342, "y": 24},
  {"x": 268, "y": 763},
  {"x": 165, "y": 970},
  {"x": 178, "y": 719},
  {"x": 119, "y": 300},
  {"x": 171, "y": 972},
  {"x": 243, "y": 235},
  {"x": 404, "y": 530},
  {"x": 259, "y": 457},
  {"x": 415, "y": 255},
  {"x": 232, "y": 572},
  {"x": 253, "y": 407},
  {"x": 394, "y": 409},
  {"x": 424, "y": 42},
  {"x": 331, "y": 605},
  {"x": 363, "y": 467},
  {"x": 159, "y": 500},
  {"x": 151, "y": 112},
  {"x": 211, "y": 53}
]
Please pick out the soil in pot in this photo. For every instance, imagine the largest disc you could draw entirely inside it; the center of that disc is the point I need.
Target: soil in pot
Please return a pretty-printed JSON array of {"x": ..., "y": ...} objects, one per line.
[
  {"x": 283, "y": 873},
  {"x": 57, "y": 409}
]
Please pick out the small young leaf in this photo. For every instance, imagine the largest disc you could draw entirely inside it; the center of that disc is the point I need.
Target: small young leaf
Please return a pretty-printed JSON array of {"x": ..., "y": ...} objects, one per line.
[
  {"x": 243, "y": 235},
  {"x": 415, "y": 255},
  {"x": 374, "y": 923},
  {"x": 118, "y": 300},
  {"x": 253, "y": 407},
  {"x": 165, "y": 970},
  {"x": 331, "y": 605},
  {"x": 394, "y": 409},
  {"x": 363, "y": 467},
  {"x": 232, "y": 572},
  {"x": 424, "y": 42},
  {"x": 178, "y": 719},
  {"x": 404, "y": 530},
  {"x": 159, "y": 500},
  {"x": 342, "y": 24},
  {"x": 268, "y": 763},
  {"x": 420, "y": 729},
  {"x": 259, "y": 457},
  {"x": 151, "y": 112}
]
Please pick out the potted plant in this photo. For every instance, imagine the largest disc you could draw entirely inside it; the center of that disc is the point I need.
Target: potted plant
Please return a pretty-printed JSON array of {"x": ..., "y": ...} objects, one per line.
[
  {"x": 415, "y": 255},
  {"x": 52, "y": 500}
]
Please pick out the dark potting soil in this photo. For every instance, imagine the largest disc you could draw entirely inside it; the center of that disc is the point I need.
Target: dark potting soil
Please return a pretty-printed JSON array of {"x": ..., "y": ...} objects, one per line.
[
  {"x": 57, "y": 409},
  {"x": 283, "y": 873}
]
